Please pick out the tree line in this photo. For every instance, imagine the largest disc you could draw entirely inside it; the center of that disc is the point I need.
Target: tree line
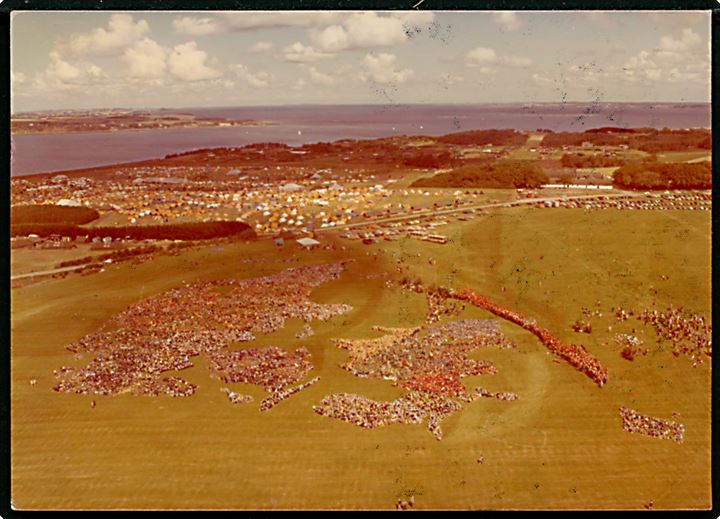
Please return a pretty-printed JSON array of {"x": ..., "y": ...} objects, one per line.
[
  {"x": 179, "y": 231},
  {"x": 663, "y": 175},
  {"x": 40, "y": 213},
  {"x": 580, "y": 160},
  {"x": 646, "y": 139},
  {"x": 484, "y": 137},
  {"x": 498, "y": 174}
]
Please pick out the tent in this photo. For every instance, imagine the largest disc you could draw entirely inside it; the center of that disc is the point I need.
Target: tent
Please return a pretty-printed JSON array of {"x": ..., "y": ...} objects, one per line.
[{"x": 308, "y": 243}]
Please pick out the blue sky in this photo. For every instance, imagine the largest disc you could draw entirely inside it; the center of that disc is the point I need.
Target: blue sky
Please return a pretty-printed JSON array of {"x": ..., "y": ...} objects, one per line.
[{"x": 152, "y": 59}]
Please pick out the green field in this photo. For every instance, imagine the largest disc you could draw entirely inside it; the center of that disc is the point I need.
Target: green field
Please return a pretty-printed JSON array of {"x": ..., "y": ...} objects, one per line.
[
  {"x": 561, "y": 445},
  {"x": 684, "y": 156}
]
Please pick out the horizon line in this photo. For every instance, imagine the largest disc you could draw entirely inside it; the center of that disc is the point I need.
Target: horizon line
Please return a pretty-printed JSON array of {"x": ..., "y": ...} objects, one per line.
[{"x": 363, "y": 104}]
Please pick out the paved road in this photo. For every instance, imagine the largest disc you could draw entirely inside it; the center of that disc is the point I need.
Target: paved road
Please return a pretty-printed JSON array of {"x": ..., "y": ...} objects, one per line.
[
  {"x": 453, "y": 210},
  {"x": 47, "y": 272},
  {"x": 390, "y": 219}
]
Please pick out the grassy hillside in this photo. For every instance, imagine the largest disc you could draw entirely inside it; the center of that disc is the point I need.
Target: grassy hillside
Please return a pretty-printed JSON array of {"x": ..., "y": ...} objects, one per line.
[
  {"x": 560, "y": 445},
  {"x": 53, "y": 214}
]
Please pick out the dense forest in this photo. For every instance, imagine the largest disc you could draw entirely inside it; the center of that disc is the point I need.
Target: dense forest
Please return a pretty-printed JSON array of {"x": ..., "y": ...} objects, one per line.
[
  {"x": 55, "y": 214},
  {"x": 181, "y": 231},
  {"x": 499, "y": 174},
  {"x": 661, "y": 175}
]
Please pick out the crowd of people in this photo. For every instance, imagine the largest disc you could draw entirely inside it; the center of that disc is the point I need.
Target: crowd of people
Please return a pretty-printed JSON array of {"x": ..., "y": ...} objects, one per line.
[
  {"x": 237, "y": 398},
  {"x": 690, "y": 201},
  {"x": 689, "y": 333},
  {"x": 635, "y": 422},
  {"x": 439, "y": 306},
  {"x": 500, "y": 395},
  {"x": 280, "y": 395},
  {"x": 306, "y": 332},
  {"x": 432, "y": 358},
  {"x": 405, "y": 504},
  {"x": 630, "y": 345},
  {"x": 429, "y": 361},
  {"x": 161, "y": 333},
  {"x": 271, "y": 367},
  {"x": 411, "y": 408},
  {"x": 576, "y": 356}
]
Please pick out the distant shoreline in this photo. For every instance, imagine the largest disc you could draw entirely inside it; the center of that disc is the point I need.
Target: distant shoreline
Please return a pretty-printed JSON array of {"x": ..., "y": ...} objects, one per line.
[
  {"x": 123, "y": 130},
  {"x": 357, "y": 105},
  {"x": 39, "y": 152}
]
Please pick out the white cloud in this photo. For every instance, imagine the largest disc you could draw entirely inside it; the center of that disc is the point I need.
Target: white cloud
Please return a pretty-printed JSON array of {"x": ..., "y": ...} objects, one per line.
[
  {"x": 368, "y": 30},
  {"x": 483, "y": 57},
  {"x": 61, "y": 74},
  {"x": 480, "y": 56},
  {"x": 188, "y": 63},
  {"x": 320, "y": 78},
  {"x": 674, "y": 59},
  {"x": 299, "y": 84},
  {"x": 245, "y": 20},
  {"x": 331, "y": 39},
  {"x": 17, "y": 77},
  {"x": 540, "y": 80},
  {"x": 507, "y": 20},
  {"x": 299, "y": 53},
  {"x": 261, "y": 46},
  {"x": 195, "y": 26},
  {"x": 371, "y": 30},
  {"x": 447, "y": 80},
  {"x": 259, "y": 79},
  {"x": 122, "y": 32},
  {"x": 517, "y": 61},
  {"x": 382, "y": 69},
  {"x": 686, "y": 42},
  {"x": 146, "y": 59}
]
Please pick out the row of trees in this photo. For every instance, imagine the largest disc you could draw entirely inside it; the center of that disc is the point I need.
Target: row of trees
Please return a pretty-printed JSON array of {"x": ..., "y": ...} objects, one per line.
[
  {"x": 484, "y": 137},
  {"x": 499, "y": 174},
  {"x": 580, "y": 160},
  {"x": 180, "y": 231},
  {"x": 40, "y": 213},
  {"x": 646, "y": 139},
  {"x": 115, "y": 256},
  {"x": 663, "y": 175},
  {"x": 441, "y": 159}
]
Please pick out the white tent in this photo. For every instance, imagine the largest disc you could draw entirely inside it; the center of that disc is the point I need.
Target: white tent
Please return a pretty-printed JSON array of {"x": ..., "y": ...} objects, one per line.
[
  {"x": 68, "y": 202},
  {"x": 308, "y": 243}
]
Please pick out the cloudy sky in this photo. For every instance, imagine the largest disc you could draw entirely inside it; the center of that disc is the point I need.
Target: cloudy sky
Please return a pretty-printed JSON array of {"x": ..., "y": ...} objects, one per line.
[{"x": 153, "y": 59}]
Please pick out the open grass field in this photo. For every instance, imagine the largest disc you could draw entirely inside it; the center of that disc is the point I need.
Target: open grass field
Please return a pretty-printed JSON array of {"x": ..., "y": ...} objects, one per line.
[
  {"x": 24, "y": 261},
  {"x": 684, "y": 156},
  {"x": 561, "y": 445}
]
